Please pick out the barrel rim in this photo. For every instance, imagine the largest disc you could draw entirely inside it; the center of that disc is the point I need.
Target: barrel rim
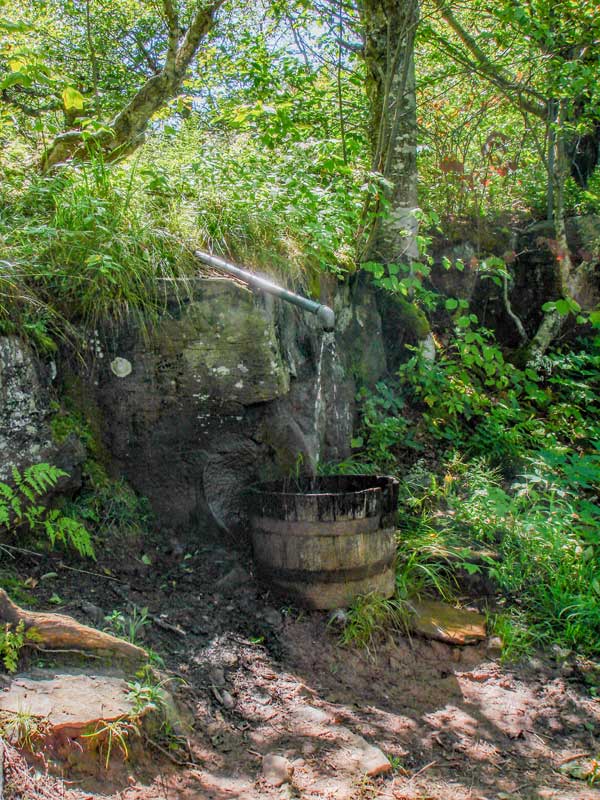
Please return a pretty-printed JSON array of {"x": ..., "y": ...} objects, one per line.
[{"x": 390, "y": 481}]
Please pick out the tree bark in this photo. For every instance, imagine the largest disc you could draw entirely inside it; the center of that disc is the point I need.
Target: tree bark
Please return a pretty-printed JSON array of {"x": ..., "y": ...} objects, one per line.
[
  {"x": 389, "y": 30},
  {"x": 127, "y": 129}
]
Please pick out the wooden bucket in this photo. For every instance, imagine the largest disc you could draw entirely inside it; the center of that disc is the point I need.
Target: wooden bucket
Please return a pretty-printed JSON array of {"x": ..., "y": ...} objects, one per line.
[{"x": 323, "y": 541}]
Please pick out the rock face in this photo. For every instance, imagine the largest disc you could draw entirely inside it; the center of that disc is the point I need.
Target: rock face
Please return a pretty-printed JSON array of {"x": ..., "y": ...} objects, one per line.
[
  {"x": 25, "y": 436},
  {"x": 229, "y": 388}
]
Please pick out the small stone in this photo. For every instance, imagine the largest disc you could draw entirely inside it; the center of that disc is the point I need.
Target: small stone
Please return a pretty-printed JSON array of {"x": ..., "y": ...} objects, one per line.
[
  {"x": 228, "y": 700},
  {"x": 121, "y": 367},
  {"x": 234, "y": 578},
  {"x": 272, "y": 617},
  {"x": 338, "y": 617},
  {"x": 309, "y": 715},
  {"x": 579, "y": 770},
  {"x": 95, "y": 613},
  {"x": 494, "y": 646},
  {"x": 217, "y": 676},
  {"x": 277, "y": 770}
]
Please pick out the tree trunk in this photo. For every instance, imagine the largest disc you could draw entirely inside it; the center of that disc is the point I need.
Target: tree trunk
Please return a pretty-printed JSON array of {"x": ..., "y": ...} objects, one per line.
[
  {"x": 389, "y": 30},
  {"x": 552, "y": 321}
]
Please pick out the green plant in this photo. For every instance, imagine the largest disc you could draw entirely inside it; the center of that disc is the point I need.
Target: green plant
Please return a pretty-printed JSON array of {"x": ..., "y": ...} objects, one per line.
[
  {"x": 110, "y": 506},
  {"x": 396, "y": 763},
  {"x": 108, "y": 735},
  {"x": 19, "y": 507},
  {"x": 12, "y": 641},
  {"x": 369, "y": 617},
  {"x": 518, "y": 639},
  {"x": 128, "y": 626},
  {"x": 22, "y": 729},
  {"x": 146, "y": 695}
]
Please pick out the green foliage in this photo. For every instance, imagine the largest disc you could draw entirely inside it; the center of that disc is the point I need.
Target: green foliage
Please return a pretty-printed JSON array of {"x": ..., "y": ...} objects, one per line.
[
  {"x": 523, "y": 494},
  {"x": 12, "y": 641},
  {"x": 369, "y": 618},
  {"x": 128, "y": 626},
  {"x": 22, "y": 730},
  {"x": 20, "y": 508},
  {"x": 96, "y": 242},
  {"x": 544, "y": 530},
  {"x": 109, "y": 506},
  {"x": 114, "y": 735}
]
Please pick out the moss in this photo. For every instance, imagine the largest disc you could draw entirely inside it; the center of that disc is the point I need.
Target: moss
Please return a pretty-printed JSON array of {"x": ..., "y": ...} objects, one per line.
[
  {"x": 67, "y": 421},
  {"x": 411, "y": 318}
]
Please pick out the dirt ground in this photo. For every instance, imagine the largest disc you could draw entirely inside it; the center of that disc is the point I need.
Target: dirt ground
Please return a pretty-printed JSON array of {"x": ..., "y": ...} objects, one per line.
[{"x": 258, "y": 679}]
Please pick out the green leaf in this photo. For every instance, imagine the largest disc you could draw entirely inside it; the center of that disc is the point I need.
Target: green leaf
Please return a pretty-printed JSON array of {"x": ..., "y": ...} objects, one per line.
[
  {"x": 73, "y": 99},
  {"x": 451, "y": 303},
  {"x": 14, "y": 79},
  {"x": 563, "y": 307},
  {"x": 376, "y": 269}
]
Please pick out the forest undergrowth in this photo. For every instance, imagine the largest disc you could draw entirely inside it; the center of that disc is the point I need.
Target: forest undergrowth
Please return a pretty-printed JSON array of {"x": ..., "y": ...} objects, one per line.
[{"x": 500, "y": 473}]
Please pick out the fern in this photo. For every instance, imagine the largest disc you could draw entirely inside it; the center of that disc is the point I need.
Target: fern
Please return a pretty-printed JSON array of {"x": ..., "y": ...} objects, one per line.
[
  {"x": 12, "y": 642},
  {"x": 20, "y": 506}
]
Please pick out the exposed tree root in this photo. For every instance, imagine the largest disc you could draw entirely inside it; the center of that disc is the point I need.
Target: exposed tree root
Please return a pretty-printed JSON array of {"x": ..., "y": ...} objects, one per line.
[{"x": 57, "y": 631}]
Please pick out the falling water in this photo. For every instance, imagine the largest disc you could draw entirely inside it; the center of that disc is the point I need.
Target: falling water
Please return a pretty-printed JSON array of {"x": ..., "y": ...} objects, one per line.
[
  {"x": 334, "y": 404},
  {"x": 327, "y": 345},
  {"x": 319, "y": 399}
]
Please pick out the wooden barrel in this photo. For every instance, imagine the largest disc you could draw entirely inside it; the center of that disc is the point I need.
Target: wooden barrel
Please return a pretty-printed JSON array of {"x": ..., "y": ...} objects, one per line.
[{"x": 324, "y": 541}]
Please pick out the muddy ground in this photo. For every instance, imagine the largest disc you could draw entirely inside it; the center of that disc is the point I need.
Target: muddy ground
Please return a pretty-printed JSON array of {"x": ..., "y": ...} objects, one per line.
[{"x": 256, "y": 678}]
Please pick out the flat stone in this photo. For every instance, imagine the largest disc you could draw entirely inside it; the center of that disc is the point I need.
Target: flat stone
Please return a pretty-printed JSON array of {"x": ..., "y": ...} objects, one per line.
[
  {"x": 70, "y": 702},
  {"x": 277, "y": 770},
  {"x": 357, "y": 754},
  {"x": 443, "y": 622},
  {"x": 309, "y": 715}
]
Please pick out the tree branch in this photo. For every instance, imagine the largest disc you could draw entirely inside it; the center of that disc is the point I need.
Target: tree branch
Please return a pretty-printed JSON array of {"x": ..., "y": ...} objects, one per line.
[
  {"x": 128, "y": 127},
  {"x": 511, "y": 88}
]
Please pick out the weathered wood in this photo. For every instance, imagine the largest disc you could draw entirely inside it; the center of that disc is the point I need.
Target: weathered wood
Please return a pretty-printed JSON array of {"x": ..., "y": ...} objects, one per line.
[
  {"x": 324, "y": 541},
  {"x": 60, "y": 632}
]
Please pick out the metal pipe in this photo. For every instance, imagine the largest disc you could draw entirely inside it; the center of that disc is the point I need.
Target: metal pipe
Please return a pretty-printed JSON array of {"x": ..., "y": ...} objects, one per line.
[{"x": 324, "y": 314}]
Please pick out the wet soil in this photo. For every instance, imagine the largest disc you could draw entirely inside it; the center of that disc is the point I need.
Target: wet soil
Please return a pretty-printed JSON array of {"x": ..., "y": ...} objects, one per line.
[{"x": 254, "y": 677}]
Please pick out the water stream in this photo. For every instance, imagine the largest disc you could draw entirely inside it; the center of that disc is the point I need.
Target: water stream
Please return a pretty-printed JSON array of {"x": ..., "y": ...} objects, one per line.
[{"x": 327, "y": 346}]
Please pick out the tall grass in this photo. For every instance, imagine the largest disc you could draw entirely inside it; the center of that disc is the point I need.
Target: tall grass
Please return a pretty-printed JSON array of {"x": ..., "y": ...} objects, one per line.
[{"x": 95, "y": 241}]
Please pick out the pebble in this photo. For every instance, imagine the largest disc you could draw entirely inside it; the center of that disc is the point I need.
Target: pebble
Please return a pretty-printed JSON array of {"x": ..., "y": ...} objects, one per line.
[
  {"x": 277, "y": 770},
  {"x": 228, "y": 700},
  {"x": 272, "y": 617},
  {"x": 217, "y": 677}
]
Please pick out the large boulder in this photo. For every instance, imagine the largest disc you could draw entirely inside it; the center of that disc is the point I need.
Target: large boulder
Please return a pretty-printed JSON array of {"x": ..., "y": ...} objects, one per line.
[{"x": 228, "y": 388}]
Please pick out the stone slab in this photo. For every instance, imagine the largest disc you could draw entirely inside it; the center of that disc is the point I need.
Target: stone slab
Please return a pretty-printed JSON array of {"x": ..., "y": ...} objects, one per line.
[
  {"x": 436, "y": 620},
  {"x": 68, "y": 701}
]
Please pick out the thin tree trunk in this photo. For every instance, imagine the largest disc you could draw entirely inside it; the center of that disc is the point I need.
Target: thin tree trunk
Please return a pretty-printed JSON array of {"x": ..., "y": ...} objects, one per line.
[
  {"x": 389, "y": 30},
  {"x": 552, "y": 321}
]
